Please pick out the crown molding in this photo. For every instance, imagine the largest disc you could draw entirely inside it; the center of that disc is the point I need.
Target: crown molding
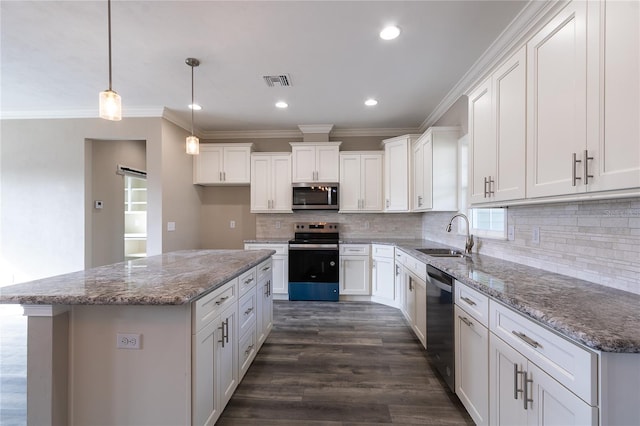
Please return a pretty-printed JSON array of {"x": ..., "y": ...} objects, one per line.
[
  {"x": 382, "y": 131},
  {"x": 315, "y": 128},
  {"x": 297, "y": 134},
  {"x": 502, "y": 46},
  {"x": 76, "y": 113}
]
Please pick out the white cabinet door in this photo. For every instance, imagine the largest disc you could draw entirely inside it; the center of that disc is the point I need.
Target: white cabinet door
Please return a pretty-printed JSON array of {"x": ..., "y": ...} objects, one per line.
[
  {"x": 226, "y": 373},
  {"x": 280, "y": 283},
  {"x": 510, "y": 100},
  {"x": 350, "y": 173},
  {"x": 506, "y": 380},
  {"x": 420, "y": 309},
  {"x": 237, "y": 165},
  {"x": 304, "y": 163},
  {"x": 371, "y": 182},
  {"x": 270, "y": 183},
  {"x": 396, "y": 173},
  {"x": 383, "y": 278},
  {"x": 614, "y": 116},
  {"x": 354, "y": 275},
  {"x": 553, "y": 404},
  {"x": 205, "y": 409},
  {"x": 472, "y": 365},
  {"x": 409, "y": 298},
  {"x": 482, "y": 142},
  {"x": 327, "y": 164},
  {"x": 417, "y": 202},
  {"x": 265, "y": 307},
  {"x": 207, "y": 166},
  {"x": 556, "y": 103},
  {"x": 260, "y": 183}
]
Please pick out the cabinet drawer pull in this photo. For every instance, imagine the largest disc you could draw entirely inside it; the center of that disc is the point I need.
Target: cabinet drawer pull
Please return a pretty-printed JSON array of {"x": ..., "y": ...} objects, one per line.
[
  {"x": 248, "y": 280},
  {"x": 466, "y": 321},
  {"x": 266, "y": 268},
  {"x": 248, "y": 311},
  {"x": 528, "y": 340},
  {"x": 468, "y": 301},
  {"x": 222, "y": 299},
  {"x": 574, "y": 161},
  {"x": 516, "y": 373},
  {"x": 586, "y": 167}
]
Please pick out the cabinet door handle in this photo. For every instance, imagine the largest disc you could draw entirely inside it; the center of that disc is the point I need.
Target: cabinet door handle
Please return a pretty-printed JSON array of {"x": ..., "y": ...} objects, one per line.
[
  {"x": 248, "y": 350},
  {"x": 586, "y": 166},
  {"x": 466, "y": 321},
  {"x": 419, "y": 201},
  {"x": 397, "y": 270},
  {"x": 491, "y": 182},
  {"x": 269, "y": 288},
  {"x": 468, "y": 301},
  {"x": 226, "y": 327},
  {"x": 575, "y": 161},
  {"x": 528, "y": 340},
  {"x": 387, "y": 203},
  {"x": 516, "y": 373},
  {"x": 485, "y": 187},
  {"x": 525, "y": 383},
  {"x": 222, "y": 299}
]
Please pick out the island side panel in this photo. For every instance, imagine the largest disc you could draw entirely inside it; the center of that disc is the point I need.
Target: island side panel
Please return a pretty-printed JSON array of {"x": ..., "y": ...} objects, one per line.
[{"x": 146, "y": 386}]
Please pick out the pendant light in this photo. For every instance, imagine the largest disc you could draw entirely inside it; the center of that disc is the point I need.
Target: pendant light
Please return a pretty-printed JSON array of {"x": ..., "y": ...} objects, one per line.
[
  {"x": 193, "y": 143},
  {"x": 110, "y": 102}
]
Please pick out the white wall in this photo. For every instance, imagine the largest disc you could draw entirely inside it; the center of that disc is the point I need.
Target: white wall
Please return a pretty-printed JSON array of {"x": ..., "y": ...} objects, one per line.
[{"x": 44, "y": 199}]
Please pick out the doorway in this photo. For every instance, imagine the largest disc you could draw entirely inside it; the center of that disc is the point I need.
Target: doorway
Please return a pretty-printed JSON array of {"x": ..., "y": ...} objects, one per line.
[{"x": 135, "y": 217}]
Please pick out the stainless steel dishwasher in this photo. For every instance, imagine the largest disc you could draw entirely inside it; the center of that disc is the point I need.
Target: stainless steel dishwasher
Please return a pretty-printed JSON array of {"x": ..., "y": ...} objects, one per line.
[{"x": 440, "y": 340}]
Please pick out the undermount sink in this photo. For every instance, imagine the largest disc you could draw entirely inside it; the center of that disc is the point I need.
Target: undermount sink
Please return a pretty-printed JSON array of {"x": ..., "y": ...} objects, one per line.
[{"x": 441, "y": 252}]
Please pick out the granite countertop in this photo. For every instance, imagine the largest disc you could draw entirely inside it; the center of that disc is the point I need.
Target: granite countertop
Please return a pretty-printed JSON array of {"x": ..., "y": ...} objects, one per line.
[
  {"x": 597, "y": 316},
  {"x": 600, "y": 317},
  {"x": 174, "y": 278}
]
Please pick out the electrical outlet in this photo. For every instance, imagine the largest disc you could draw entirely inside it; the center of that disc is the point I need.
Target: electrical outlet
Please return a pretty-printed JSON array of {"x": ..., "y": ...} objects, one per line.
[
  {"x": 366, "y": 224},
  {"x": 232, "y": 224},
  {"x": 171, "y": 226},
  {"x": 511, "y": 232},
  {"x": 128, "y": 340},
  {"x": 278, "y": 224},
  {"x": 535, "y": 235},
  {"x": 98, "y": 204}
]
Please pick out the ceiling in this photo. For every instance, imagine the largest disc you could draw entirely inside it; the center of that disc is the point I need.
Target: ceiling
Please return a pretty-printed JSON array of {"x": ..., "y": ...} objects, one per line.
[{"x": 54, "y": 59}]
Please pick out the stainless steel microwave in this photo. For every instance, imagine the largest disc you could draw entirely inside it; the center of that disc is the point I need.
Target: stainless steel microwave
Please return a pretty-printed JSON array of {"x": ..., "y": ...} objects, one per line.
[{"x": 315, "y": 196}]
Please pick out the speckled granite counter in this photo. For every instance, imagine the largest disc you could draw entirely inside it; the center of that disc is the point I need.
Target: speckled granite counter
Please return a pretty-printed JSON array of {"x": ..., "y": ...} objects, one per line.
[
  {"x": 169, "y": 279},
  {"x": 599, "y": 317}
]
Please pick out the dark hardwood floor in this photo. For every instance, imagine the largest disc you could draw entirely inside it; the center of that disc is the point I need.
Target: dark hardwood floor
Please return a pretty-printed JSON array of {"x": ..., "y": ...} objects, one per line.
[{"x": 346, "y": 363}]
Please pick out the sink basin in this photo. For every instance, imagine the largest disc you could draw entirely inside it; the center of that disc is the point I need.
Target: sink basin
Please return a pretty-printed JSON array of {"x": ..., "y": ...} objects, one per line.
[{"x": 441, "y": 252}]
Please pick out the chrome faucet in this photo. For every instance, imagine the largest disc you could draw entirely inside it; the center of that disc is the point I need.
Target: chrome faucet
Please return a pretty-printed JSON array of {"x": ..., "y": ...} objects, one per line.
[{"x": 468, "y": 245}]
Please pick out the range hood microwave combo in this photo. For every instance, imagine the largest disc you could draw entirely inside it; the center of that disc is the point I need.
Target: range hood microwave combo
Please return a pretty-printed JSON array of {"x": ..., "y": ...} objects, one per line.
[{"x": 315, "y": 196}]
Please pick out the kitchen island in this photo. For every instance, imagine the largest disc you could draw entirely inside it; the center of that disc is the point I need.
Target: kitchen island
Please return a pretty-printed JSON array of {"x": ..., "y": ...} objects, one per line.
[{"x": 120, "y": 344}]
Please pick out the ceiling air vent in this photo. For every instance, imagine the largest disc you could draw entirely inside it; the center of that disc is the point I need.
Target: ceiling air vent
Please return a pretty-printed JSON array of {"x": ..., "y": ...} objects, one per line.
[{"x": 282, "y": 80}]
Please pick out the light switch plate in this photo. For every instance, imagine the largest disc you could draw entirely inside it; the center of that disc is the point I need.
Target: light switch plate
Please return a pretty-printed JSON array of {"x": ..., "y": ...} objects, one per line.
[
  {"x": 511, "y": 232},
  {"x": 171, "y": 226}
]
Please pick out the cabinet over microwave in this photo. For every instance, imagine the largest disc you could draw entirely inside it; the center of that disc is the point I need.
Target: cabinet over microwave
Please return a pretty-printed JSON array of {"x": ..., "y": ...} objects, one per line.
[{"x": 315, "y": 196}]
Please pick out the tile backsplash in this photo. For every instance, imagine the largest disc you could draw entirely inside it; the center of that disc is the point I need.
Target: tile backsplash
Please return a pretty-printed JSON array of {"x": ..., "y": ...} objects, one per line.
[{"x": 598, "y": 241}]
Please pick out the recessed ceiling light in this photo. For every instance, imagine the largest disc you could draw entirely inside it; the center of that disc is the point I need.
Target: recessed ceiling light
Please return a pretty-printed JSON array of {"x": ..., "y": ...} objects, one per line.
[
  {"x": 390, "y": 32},
  {"x": 195, "y": 107},
  {"x": 370, "y": 102},
  {"x": 281, "y": 104}
]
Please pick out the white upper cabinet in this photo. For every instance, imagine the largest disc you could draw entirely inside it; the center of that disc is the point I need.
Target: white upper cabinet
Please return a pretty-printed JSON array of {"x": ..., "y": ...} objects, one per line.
[
  {"x": 435, "y": 170},
  {"x": 271, "y": 183},
  {"x": 223, "y": 164},
  {"x": 397, "y": 170},
  {"x": 361, "y": 181},
  {"x": 556, "y": 103},
  {"x": 315, "y": 162},
  {"x": 613, "y": 136},
  {"x": 497, "y": 129}
]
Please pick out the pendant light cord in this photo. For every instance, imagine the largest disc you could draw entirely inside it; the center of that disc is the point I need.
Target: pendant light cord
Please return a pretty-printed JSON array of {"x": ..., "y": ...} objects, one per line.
[
  {"x": 192, "y": 100},
  {"x": 109, "y": 24}
]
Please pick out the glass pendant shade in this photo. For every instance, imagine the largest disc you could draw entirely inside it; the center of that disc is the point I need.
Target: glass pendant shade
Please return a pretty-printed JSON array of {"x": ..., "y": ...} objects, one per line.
[
  {"x": 193, "y": 145},
  {"x": 110, "y": 105}
]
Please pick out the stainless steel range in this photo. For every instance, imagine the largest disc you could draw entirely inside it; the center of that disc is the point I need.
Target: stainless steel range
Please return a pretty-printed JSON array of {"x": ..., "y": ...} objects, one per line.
[{"x": 314, "y": 262}]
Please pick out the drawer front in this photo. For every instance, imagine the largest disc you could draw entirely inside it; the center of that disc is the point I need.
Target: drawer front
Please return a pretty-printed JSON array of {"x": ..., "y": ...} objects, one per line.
[
  {"x": 247, "y": 311},
  {"x": 382, "y": 251},
  {"x": 417, "y": 267},
  {"x": 354, "y": 249},
  {"x": 472, "y": 302},
  {"x": 281, "y": 249},
  {"x": 264, "y": 270},
  {"x": 400, "y": 257},
  {"x": 247, "y": 349},
  {"x": 573, "y": 366},
  {"x": 207, "y": 307},
  {"x": 247, "y": 281}
]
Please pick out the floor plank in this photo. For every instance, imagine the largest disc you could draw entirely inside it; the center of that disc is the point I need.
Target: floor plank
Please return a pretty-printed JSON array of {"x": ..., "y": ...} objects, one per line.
[{"x": 346, "y": 363}]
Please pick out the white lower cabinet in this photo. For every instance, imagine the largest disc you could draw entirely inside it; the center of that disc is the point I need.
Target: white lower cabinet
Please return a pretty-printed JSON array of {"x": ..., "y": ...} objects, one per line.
[
  {"x": 523, "y": 394},
  {"x": 280, "y": 267},
  {"x": 472, "y": 352},
  {"x": 413, "y": 297},
  {"x": 383, "y": 283},
  {"x": 354, "y": 269},
  {"x": 264, "y": 301}
]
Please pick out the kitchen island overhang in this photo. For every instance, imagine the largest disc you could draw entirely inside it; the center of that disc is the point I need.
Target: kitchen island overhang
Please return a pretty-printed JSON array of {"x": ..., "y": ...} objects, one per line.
[{"x": 77, "y": 374}]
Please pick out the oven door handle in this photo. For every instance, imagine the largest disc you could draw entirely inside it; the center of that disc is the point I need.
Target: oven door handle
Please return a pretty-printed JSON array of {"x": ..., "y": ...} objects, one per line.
[{"x": 313, "y": 246}]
